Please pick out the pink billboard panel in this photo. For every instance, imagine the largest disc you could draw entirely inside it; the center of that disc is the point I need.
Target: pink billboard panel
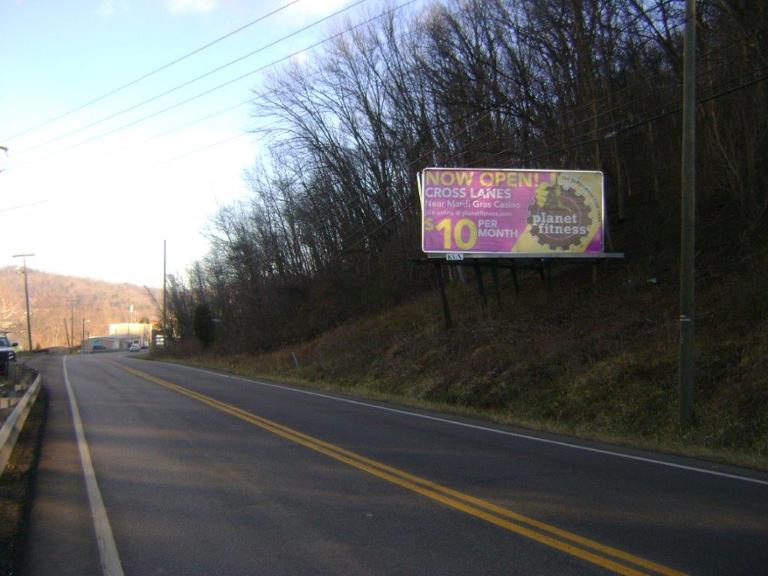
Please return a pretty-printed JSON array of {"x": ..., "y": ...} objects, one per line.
[{"x": 494, "y": 212}]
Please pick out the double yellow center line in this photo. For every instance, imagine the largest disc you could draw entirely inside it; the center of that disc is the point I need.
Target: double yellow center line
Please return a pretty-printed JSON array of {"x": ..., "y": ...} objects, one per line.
[{"x": 607, "y": 557}]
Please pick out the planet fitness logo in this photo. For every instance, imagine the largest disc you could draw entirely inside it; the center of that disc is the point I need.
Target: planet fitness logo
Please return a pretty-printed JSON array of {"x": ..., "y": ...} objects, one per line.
[{"x": 559, "y": 217}]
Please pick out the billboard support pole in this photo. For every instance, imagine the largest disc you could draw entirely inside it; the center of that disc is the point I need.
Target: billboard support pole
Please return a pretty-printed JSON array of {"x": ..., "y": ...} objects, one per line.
[
  {"x": 443, "y": 296},
  {"x": 481, "y": 288},
  {"x": 688, "y": 219},
  {"x": 513, "y": 270},
  {"x": 496, "y": 288}
]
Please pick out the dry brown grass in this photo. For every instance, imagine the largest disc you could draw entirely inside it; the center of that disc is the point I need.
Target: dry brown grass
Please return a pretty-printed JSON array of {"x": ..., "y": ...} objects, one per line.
[
  {"x": 16, "y": 488},
  {"x": 597, "y": 361}
]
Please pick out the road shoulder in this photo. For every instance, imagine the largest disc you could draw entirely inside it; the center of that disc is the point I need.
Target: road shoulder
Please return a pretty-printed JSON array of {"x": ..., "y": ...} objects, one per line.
[{"x": 60, "y": 539}]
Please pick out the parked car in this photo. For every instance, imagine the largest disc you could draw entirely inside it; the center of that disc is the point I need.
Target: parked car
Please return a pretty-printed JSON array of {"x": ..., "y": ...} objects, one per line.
[
  {"x": 7, "y": 354},
  {"x": 135, "y": 347}
]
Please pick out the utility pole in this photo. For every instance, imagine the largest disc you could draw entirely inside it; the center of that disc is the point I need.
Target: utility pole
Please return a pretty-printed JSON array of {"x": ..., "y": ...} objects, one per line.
[
  {"x": 688, "y": 220},
  {"x": 82, "y": 342},
  {"x": 26, "y": 296},
  {"x": 66, "y": 332},
  {"x": 165, "y": 318},
  {"x": 72, "y": 326}
]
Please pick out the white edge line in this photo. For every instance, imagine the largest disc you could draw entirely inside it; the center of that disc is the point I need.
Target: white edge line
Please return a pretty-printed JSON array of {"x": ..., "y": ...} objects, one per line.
[
  {"x": 110, "y": 559},
  {"x": 482, "y": 428}
]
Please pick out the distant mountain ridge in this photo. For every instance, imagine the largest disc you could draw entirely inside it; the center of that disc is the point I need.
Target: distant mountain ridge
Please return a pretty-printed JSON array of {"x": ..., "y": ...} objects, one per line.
[{"x": 54, "y": 297}]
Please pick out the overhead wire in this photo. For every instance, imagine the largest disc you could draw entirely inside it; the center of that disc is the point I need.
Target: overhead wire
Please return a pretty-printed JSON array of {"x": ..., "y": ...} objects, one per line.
[
  {"x": 356, "y": 242},
  {"x": 587, "y": 142},
  {"x": 230, "y": 107},
  {"x": 237, "y": 136},
  {"x": 591, "y": 118},
  {"x": 20, "y": 206},
  {"x": 458, "y": 128},
  {"x": 624, "y": 129},
  {"x": 231, "y": 81},
  {"x": 152, "y": 72},
  {"x": 206, "y": 147},
  {"x": 250, "y": 100},
  {"x": 193, "y": 80},
  {"x": 581, "y": 143}
]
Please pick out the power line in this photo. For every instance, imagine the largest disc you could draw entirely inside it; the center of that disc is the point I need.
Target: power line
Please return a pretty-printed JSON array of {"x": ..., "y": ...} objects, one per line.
[
  {"x": 617, "y": 126},
  {"x": 192, "y": 81},
  {"x": 623, "y": 130},
  {"x": 198, "y": 120},
  {"x": 412, "y": 164},
  {"x": 397, "y": 213},
  {"x": 23, "y": 206},
  {"x": 597, "y": 100},
  {"x": 581, "y": 143},
  {"x": 250, "y": 100},
  {"x": 645, "y": 121},
  {"x": 203, "y": 148},
  {"x": 219, "y": 112},
  {"x": 499, "y": 107},
  {"x": 233, "y": 80},
  {"x": 153, "y": 72}
]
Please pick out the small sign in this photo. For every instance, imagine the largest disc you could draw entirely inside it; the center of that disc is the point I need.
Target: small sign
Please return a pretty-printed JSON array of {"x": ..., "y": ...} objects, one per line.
[{"x": 454, "y": 256}]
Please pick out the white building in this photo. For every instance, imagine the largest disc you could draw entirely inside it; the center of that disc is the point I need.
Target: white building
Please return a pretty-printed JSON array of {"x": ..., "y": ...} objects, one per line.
[{"x": 132, "y": 331}]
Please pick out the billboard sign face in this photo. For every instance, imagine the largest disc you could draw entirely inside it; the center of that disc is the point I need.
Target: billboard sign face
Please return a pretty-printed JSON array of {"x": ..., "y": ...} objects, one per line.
[{"x": 496, "y": 213}]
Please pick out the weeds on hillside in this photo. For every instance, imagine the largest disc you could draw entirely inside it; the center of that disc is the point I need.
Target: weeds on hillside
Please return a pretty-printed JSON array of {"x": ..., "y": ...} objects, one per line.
[{"x": 593, "y": 360}]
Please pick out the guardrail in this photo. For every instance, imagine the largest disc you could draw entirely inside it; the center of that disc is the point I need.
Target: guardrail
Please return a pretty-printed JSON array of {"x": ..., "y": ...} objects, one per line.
[{"x": 12, "y": 427}]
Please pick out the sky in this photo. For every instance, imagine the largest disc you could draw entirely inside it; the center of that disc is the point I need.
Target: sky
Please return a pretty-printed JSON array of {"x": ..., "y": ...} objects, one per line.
[{"x": 95, "y": 192}]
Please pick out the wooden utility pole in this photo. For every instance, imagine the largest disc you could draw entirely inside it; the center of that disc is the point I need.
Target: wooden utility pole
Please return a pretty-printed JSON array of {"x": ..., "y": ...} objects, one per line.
[
  {"x": 165, "y": 318},
  {"x": 66, "y": 333},
  {"x": 688, "y": 220},
  {"x": 26, "y": 296},
  {"x": 72, "y": 325}
]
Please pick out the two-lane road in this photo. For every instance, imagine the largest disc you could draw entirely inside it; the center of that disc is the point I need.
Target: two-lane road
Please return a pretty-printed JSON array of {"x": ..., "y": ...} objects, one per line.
[{"x": 152, "y": 468}]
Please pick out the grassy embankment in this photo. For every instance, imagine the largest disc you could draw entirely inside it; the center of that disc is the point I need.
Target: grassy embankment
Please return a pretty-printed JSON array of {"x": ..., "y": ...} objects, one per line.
[{"x": 595, "y": 361}]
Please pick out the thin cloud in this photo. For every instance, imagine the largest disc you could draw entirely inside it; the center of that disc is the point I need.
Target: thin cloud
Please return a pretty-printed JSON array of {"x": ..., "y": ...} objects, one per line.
[
  {"x": 319, "y": 7},
  {"x": 108, "y": 8},
  {"x": 186, "y": 6}
]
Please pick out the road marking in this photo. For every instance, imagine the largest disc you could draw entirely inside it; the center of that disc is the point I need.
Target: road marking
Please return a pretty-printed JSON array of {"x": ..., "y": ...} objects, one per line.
[
  {"x": 520, "y": 435},
  {"x": 110, "y": 559},
  {"x": 541, "y": 532}
]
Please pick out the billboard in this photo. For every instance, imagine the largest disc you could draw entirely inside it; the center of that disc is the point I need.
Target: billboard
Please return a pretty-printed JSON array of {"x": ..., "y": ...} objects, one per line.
[{"x": 497, "y": 212}]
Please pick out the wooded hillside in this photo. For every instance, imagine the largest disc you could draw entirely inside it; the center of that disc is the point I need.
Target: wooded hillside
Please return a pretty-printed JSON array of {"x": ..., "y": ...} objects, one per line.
[
  {"x": 53, "y": 298},
  {"x": 334, "y": 216}
]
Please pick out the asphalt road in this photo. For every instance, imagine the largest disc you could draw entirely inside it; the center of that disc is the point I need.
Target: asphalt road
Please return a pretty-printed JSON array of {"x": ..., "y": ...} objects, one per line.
[{"x": 194, "y": 473}]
